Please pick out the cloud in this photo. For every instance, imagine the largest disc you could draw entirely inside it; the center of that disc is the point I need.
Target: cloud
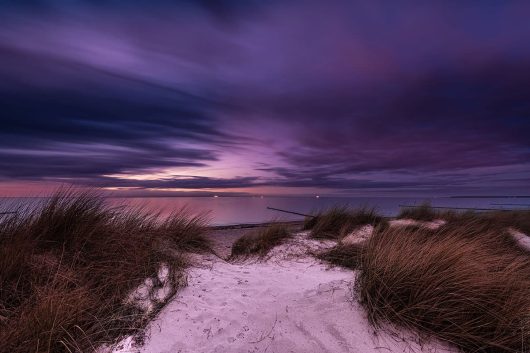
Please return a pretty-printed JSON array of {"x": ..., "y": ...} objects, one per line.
[
  {"x": 452, "y": 120},
  {"x": 96, "y": 123},
  {"x": 178, "y": 182},
  {"x": 331, "y": 95}
]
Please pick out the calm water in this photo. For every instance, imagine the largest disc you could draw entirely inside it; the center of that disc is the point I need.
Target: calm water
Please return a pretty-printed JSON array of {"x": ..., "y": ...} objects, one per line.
[{"x": 236, "y": 210}]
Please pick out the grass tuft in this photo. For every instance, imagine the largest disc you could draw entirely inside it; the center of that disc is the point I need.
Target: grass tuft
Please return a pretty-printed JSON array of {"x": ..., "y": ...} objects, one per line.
[
  {"x": 465, "y": 286},
  {"x": 499, "y": 220},
  {"x": 340, "y": 221},
  {"x": 424, "y": 212},
  {"x": 518, "y": 219},
  {"x": 187, "y": 231},
  {"x": 261, "y": 241},
  {"x": 344, "y": 255},
  {"x": 67, "y": 269},
  {"x": 310, "y": 222}
]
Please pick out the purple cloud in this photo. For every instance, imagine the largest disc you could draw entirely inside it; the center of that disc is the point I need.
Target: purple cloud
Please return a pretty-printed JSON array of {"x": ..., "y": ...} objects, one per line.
[{"x": 337, "y": 96}]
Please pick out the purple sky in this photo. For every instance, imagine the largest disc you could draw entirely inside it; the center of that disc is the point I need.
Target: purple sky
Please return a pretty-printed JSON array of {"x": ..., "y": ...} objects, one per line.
[{"x": 279, "y": 97}]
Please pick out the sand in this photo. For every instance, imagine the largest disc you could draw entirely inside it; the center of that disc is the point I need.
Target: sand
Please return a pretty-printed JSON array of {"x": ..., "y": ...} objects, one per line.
[
  {"x": 521, "y": 238},
  {"x": 435, "y": 224},
  {"x": 358, "y": 235},
  {"x": 290, "y": 302}
]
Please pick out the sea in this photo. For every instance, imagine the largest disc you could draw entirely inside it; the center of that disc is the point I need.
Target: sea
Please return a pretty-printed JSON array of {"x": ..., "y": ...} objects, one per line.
[{"x": 222, "y": 211}]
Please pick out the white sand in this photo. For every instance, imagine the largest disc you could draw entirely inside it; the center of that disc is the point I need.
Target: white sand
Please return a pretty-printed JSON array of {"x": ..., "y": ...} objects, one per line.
[
  {"x": 359, "y": 235},
  {"x": 521, "y": 238},
  {"x": 290, "y": 303}
]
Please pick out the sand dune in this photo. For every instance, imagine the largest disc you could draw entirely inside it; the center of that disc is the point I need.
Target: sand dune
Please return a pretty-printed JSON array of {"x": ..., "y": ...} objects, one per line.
[{"x": 289, "y": 303}]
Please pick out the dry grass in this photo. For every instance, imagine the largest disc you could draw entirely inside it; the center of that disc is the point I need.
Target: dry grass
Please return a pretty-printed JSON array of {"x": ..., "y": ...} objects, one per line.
[
  {"x": 186, "y": 231},
  {"x": 464, "y": 284},
  {"x": 67, "y": 268},
  {"x": 519, "y": 219},
  {"x": 261, "y": 241},
  {"x": 500, "y": 220},
  {"x": 424, "y": 212},
  {"x": 344, "y": 255},
  {"x": 310, "y": 222},
  {"x": 338, "y": 222},
  {"x": 467, "y": 282}
]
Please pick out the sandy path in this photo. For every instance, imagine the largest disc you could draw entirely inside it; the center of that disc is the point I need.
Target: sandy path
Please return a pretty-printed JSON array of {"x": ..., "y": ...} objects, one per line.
[{"x": 290, "y": 303}]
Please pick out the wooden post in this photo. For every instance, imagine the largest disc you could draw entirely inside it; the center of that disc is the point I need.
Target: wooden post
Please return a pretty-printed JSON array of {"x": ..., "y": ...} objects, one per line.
[{"x": 291, "y": 212}]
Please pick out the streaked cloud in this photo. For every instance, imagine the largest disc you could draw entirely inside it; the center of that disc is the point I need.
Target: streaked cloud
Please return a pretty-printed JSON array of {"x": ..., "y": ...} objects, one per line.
[{"x": 337, "y": 96}]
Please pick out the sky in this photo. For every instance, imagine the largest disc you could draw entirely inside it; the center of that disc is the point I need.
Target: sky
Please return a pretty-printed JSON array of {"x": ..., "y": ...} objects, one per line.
[{"x": 338, "y": 98}]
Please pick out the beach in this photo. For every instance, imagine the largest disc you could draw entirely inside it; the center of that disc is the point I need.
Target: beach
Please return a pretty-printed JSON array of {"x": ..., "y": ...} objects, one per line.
[
  {"x": 244, "y": 176},
  {"x": 85, "y": 276},
  {"x": 290, "y": 302}
]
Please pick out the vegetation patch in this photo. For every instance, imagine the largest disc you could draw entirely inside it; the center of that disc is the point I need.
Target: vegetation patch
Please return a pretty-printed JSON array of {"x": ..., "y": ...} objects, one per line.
[
  {"x": 67, "y": 269},
  {"x": 344, "y": 255},
  {"x": 186, "y": 231},
  {"x": 464, "y": 285},
  {"x": 338, "y": 222},
  {"x": 499, "y": 220},
  {"x": 260, "y": 241},
  {"x": 310, "y": 222},
  {"x": 424, "y": 212}
]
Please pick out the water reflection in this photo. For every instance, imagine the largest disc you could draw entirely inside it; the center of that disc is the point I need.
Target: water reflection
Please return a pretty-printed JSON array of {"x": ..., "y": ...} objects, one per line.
[{"x": 237, "y": 210}]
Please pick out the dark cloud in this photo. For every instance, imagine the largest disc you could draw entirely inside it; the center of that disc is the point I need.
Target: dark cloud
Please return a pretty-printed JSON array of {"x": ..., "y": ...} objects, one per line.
[
  {"x": 450, "y": 120},
  {"x": 76, "y": 162},
  {"x": 328, "y": 95},
  {"x": 79, "y": 101},
  {"x": 87, "y": 123}
]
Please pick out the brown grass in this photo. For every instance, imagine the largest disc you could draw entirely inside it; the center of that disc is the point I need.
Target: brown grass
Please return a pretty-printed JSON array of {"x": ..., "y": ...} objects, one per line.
[
  {"x": 462, "y": 284},
  {"x": 261, "y": 241},
  {"x": 310, "y": 222},
  {"x": 344, "y": 255},
  {"x": 186, "y": 231},
  {"x": 500, "y": 220},
  {"x": 67, "y": 268},
  {"x": 424, "y": 212},
  {"x": 338, "y": 222}
]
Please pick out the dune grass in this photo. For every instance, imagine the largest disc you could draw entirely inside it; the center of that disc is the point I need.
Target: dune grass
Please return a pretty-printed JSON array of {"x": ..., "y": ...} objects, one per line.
[
  {"x": 499, "y": 220},
  {"x": 310, "y": 222},
  {"x": 68, "y": 267},
  {"x": 344, "y": 255},
  {"x": 338, "y": 222},
  {"x": 423, "y": 212},
  {"x": 467, "y": 282},
  {"x": 259, "y": 242},
  {"x": 463, "y": 284},
  {"x": 518, "y": 219},
  {"x": 186, "y": 231}
]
